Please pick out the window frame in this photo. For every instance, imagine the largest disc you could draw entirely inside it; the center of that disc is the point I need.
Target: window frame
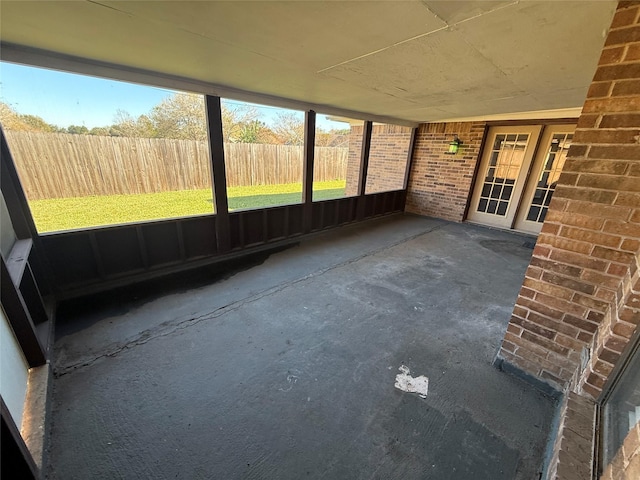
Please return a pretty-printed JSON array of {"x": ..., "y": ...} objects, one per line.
[{"x": 630, "y": 354}]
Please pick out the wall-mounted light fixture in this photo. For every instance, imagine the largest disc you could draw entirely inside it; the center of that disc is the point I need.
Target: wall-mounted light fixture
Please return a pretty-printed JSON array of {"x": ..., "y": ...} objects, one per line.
[{"x": 454, "y": 145}]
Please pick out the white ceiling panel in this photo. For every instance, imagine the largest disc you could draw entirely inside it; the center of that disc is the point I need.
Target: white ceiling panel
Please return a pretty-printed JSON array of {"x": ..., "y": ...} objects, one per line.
[{"x": 410, "y": 60}]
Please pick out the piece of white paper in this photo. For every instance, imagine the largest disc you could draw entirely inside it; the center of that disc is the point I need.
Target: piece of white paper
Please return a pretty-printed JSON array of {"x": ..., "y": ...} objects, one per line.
[{"x": 406, "y": 383}]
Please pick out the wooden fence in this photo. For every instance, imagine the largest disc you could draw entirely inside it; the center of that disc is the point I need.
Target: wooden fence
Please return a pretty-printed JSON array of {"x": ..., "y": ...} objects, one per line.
[{"x": 62, "y": 165}]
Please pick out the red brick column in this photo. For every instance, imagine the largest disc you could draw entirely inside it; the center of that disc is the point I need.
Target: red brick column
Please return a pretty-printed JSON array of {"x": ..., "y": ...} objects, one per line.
[
  {"x": 585, "y": 258},
  {"x": 388, "y": 158},
  {"x": 353, "y": 160}
]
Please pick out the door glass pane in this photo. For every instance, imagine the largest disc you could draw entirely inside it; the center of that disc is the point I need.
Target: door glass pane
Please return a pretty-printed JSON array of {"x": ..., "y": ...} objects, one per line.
[
  {"x": 551, "y": 169},
  {"x": 622, "y": 410},
  {"x": 502, "y": 172}
]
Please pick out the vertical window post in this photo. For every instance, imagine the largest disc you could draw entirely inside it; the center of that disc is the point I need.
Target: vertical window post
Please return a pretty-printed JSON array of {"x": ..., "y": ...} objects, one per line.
[
  {"x": 216, "y": 149},
  {"x": 20, "y": 213},
  {"x": 14, "y": 195},
  {"x": 412, "y": 145},
  {"x": 309, "y": 152},
  {"x": 364, "y": 165}
]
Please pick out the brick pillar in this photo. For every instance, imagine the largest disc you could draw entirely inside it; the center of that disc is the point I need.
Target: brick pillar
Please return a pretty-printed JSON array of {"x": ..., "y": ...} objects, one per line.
[
  {"x": 353, "y": 160},
  {"x": 586, "y": 253}
]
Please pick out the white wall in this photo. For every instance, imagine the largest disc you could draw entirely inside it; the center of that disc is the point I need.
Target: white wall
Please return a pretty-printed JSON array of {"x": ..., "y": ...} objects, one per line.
[{"x": 14, "y": 371}]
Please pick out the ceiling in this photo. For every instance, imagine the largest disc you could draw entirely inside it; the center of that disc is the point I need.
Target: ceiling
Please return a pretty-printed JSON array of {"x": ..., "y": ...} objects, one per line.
[{"x": 415, "y": 61}]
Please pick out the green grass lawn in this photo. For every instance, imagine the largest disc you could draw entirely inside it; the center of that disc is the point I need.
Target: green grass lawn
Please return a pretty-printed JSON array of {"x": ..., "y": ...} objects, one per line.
[{"x": 80, "y": 212}]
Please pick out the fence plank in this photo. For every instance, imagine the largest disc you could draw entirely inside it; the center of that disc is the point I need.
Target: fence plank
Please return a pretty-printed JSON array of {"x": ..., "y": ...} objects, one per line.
[{"x": 62, "y": 165}]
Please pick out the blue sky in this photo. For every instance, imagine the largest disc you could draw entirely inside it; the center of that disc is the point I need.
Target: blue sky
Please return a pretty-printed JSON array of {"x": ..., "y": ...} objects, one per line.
[{"x": 67, "y": 99}]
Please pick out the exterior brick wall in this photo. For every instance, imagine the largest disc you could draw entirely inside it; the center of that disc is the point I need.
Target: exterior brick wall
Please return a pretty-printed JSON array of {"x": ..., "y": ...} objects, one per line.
[
  {"x": 573, "y": 448},
  {"x": 614, "y": 332},
  {"x": 440, "y": 184},
  {"x": 591, "y": 235},
  {"x": 387, "y": 158},
  {"x": 353, "y": 160}
]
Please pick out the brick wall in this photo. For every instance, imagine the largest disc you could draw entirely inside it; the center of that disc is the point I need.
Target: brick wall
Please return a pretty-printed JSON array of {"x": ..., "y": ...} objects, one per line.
[
  {"x": 439, "y": 184},
  {"x": 591, "y": 235},
  {"x": 573, "y": 448},
  {"x": 353, "y": 161},
  {"x": 387, "y": 158},
  {"x": 614, "y": 332}
]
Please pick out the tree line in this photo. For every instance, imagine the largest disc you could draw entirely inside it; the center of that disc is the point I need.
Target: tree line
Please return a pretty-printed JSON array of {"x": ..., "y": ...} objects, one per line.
[{"x": 182, "y": 116}]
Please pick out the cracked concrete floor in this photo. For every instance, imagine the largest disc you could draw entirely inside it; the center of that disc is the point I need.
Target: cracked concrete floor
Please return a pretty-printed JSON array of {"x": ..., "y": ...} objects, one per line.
[{"x": 285, "y": 367}]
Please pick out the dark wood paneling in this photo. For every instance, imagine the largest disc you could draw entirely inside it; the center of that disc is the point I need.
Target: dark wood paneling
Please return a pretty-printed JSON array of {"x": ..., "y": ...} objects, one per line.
[
  {"x": 364, "y": 157},
  {"x": 412, "y": 146},
  {"x": 316, "y": 216},
  {"x": 199, "y": 237},
  {"x": 20, "y": 319},
  {"x": 18, "y": 259},
  {"x": 32, "y": 297},
  {"x": 364, "y": 167},
  {"x": 253, "y": 223},
  {"x": 329, "y": 217},
  {"x": 119, "y": 251},
  {"x": 277, "y": 218},
  {"x": 378, "y": 204},
  {"x": 161, "y": 243},
  {"x": 309, "y": 154},
  {"x": 116, "y": 254},
  {"x": 71, "y": 257},
  {"x": 333, "y": 213},
  {"x": 218, "y": 171},
  {"x": 235, "y": 231},
  {"x": 14, "y": 196},
  {"x": 347, "y": 210},
  {"x": 295, "y": 220},
  {"x": 20, "y": 214}
]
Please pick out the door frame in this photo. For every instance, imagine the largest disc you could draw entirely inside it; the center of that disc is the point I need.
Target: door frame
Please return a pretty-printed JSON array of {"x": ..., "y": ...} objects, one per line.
[
  {"x": 491, "y": 220},
  {"x": 543, "y": 122},
  {"x": 520, "y": 223}
]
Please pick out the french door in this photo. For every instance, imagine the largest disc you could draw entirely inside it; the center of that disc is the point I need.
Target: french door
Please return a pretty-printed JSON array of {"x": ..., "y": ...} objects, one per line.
[{"x": 517, "y": 176}]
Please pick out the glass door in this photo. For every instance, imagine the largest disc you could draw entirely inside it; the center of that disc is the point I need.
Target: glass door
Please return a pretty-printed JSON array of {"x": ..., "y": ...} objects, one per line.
[
  {"x": 548, "y": 164},
  {"x": 502, "y": 174}
]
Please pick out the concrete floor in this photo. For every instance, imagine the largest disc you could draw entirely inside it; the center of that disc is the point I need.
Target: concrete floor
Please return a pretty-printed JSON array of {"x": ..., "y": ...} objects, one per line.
[{"x": 285, "y": 369}]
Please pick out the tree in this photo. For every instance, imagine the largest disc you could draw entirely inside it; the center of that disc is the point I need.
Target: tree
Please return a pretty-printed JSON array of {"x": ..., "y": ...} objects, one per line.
[
  {"x": 332, "y": 138},
  {"x": 249, "y": 132},
  {"x": 146, "y": 128},
  {"x": 11, "y": 120},
  {"x": 179, "y": 116},
  {"x": 289, "y": 129},
  {"x": 124, "y": 125},
  {"x": 77, "y": 129},
  {"x": 240, "y": 124},
  {"x": 182, "y": 115},
  {"x": 100, "y": 131},
  {"x": 37, "y": 124}
]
